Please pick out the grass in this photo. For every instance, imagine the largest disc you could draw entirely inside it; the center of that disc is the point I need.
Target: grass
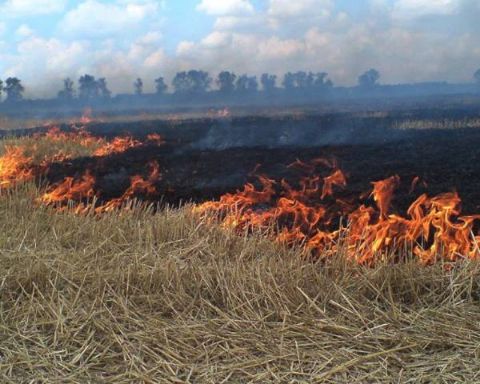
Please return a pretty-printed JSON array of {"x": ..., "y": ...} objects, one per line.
[{"x": 136, "y": 297}]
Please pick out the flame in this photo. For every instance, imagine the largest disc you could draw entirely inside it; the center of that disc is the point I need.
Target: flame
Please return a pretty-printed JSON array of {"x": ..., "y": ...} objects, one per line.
[
  {"x": 155, "y": 138},
  {"x": 118, "y": 145},
  {"x": 432, "y": 228},
  {"x": 86, "y": 116},
  {"x": 70, "y": 189},
  {"x": 138, "y": 186},
  {"x": 335, "y": 179},
  {"x": 15, "y": 167},
  {"x": 383, "y": 193},
  {"x": 314, "y": 210},
  {"x": 78, "y": 136}
]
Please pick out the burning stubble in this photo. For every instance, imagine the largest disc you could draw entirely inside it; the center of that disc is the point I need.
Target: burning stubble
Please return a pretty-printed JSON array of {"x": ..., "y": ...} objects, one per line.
[{"x": 316, "y": 210}]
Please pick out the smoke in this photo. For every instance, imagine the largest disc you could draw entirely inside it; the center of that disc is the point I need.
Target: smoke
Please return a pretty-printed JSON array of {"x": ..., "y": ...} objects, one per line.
[{"x": 296, "y": 132}]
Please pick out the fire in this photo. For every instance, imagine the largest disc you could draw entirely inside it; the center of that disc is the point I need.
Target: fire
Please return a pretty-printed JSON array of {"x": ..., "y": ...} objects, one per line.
[
  {"x": 118, "y": 145},
  {"x": 432, "y": 228},
  {"x": 15, "y": 167},
  {"x": 383, "y": 193},
  {"x": 86, "y": 116},
  {"x": 155, "y": 138},
  {"x": 81, "y": 192},
  {"x": 314, "y": 210},
  {"x": 77, "y": 135},
  {"x": 335, "y": 179},
  {"x": 138, "y": 186},
  {"x": 122, "y": 144},
  {"x": 71, "y": 190}
]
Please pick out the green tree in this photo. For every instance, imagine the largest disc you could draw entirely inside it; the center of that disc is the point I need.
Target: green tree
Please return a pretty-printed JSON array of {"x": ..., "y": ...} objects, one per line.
[
  {"x": 160, "y": 86},
  {"x": 14, "y": 89},
  {"x": 192, "y": 82},
  {"x": 268, "y": 82},
  {"x": 87, "y": 87},
  {"x": 369, "y": 78},
  {"x": 226, "y": 81},
  {"x": 68, "y": 92}
]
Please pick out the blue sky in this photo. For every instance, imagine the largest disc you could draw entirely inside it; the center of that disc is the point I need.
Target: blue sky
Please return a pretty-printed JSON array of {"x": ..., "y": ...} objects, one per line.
[{"x": 43, "y": 41}]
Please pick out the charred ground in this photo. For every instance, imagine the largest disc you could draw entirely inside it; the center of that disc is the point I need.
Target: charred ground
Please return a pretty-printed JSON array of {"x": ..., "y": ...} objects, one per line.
[{"x": 203, "y": 159}]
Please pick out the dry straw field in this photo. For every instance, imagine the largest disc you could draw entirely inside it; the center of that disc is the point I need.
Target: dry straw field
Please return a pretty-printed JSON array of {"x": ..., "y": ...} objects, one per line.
[{"x": 137, "y": 296}]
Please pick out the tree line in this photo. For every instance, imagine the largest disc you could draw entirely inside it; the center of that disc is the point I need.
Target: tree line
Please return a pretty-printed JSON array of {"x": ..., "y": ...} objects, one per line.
[{"x": 196, "y": 82}]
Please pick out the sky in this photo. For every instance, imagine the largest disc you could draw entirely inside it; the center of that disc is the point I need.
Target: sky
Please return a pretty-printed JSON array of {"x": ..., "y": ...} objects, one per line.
[{"x": 44, "y": 41}]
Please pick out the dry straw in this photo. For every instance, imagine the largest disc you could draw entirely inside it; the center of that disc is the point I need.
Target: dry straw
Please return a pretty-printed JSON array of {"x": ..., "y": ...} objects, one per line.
[{"x": 167, "y": 298}]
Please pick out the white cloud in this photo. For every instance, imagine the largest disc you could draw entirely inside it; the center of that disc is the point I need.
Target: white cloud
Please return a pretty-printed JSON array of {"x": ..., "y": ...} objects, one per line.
[
  {"x": 416, "y": 8},
  {"x": 225, "y": 7},
  {"x": 237, "y": 22},
  {"x": 24, "y": 31},
  {"x": 185, "y": 47},
  {"x": 93, "y": 18},
  {"x": 121, "y": 40},
  {"x": 22, "y": 8},
  {"x": 298, "y": 15},
  {"x": 3, "y": 28},
  {"x": 153, "y": 37},
  {"x": 216, "y": 40},
  {"x": 289, "y": 8}
]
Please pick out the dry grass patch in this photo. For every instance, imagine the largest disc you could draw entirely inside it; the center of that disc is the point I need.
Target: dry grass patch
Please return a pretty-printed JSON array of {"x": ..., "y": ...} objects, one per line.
[{"x": 136, "y": 297}]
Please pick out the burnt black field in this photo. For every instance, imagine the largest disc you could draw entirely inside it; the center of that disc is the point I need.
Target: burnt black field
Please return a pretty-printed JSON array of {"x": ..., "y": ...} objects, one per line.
[{"x": 205, "y": 158}]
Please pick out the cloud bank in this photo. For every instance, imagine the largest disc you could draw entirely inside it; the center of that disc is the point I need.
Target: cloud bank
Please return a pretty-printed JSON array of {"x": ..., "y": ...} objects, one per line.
[{"x": 406, "y": 40}]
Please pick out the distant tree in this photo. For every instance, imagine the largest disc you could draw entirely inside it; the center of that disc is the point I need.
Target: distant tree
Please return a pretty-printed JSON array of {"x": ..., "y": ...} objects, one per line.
[
  {"x": 252, "y": 84},
  {"x": 1, "y": 89},
  {"x": 68, "y": 92},
  {"x": 181, "y": 82},
  {"x": 103, "y": 90},
  {"x": 268, "y": 82},
  {"x": 14, "y": 89},
  {"x": 226, "y": 81},
  {"x": 246, "y": 83},
  {"x": 289, "y": 81},
  {"x": 304, "y": 80},
  {"x": 88, "y": 87},
  {"x": 476, "y": 76},
  {"x": 138, "y": 86},
  {"x": 201, "y": 81},
  {"x": 160, "y": 86},
  {"x": 369, "y": 79},
  {"x": 299, "y": 80},
  {"x": 322, "y": 81},
  {"x": 191, "y": 82}
]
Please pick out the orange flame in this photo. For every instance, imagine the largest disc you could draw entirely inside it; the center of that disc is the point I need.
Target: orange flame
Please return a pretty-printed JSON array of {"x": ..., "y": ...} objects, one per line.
[
  {"x": 433, "y": 227},
  {"x": 15, "y": 167},
  {"x": 118, "y": 145},
  {"x": 138, "y": 185},
  {"x": 71, "y": 190}
]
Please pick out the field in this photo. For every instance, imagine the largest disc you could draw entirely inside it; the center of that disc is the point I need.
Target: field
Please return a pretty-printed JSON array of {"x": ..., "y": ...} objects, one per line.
[{"x": 131, "y": 291}]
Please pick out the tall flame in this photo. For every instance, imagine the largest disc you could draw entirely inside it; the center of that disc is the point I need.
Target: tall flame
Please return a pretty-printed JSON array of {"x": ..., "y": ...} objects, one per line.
[
  {"x": 312, "y": 211},
  {"x": 432, "y": 228}
]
